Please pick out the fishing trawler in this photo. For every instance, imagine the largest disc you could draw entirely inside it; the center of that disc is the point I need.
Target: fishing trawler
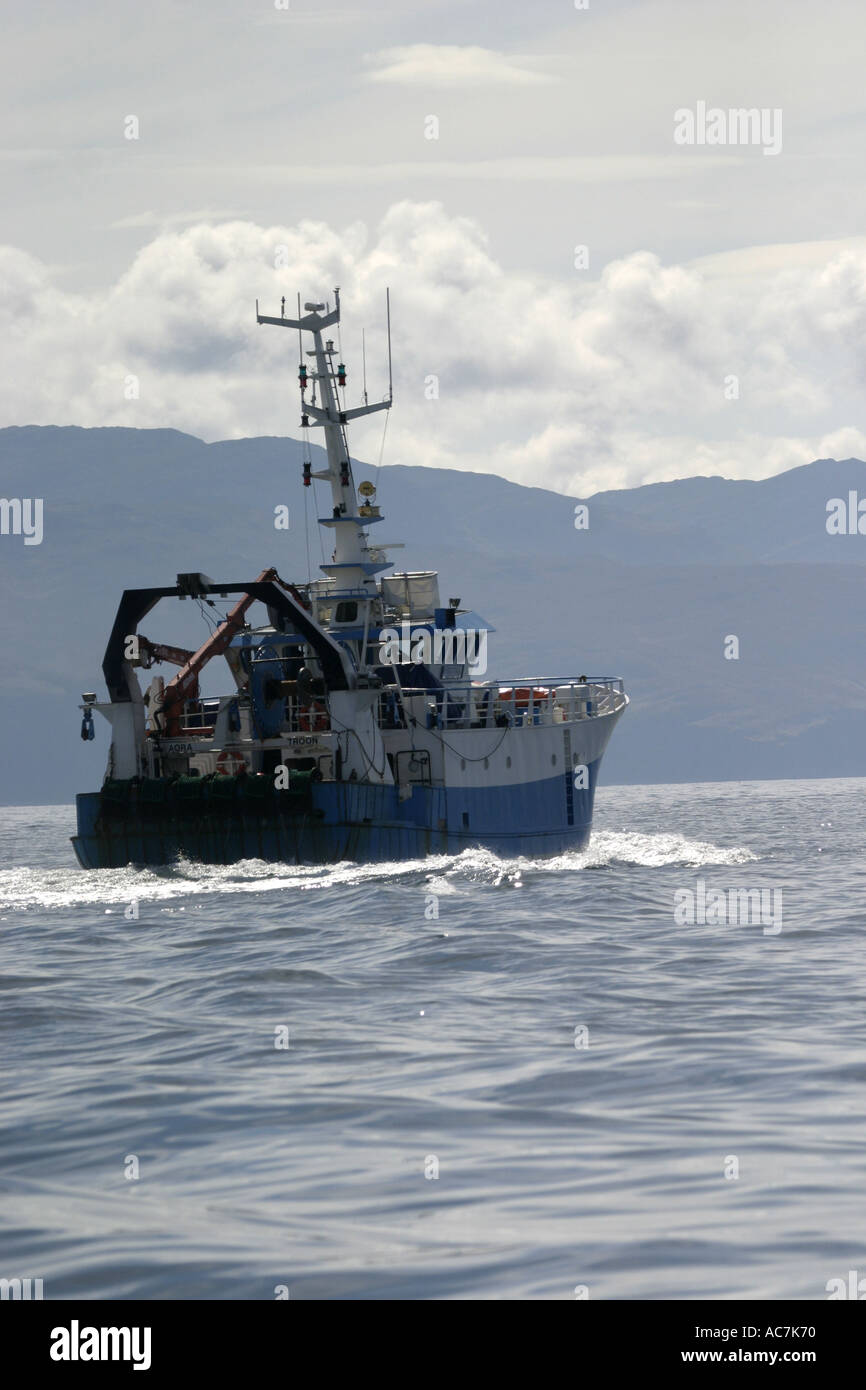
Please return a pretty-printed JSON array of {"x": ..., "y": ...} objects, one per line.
[{"x": 356, "y": 726}]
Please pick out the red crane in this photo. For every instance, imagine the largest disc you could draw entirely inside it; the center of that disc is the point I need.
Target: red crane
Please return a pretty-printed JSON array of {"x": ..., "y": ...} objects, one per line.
[{"x": 184, "y": 685}]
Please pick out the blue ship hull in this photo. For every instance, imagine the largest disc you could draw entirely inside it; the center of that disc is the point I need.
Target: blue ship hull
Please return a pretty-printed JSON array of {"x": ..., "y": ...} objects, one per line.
[{"x": 353, "y": 821}]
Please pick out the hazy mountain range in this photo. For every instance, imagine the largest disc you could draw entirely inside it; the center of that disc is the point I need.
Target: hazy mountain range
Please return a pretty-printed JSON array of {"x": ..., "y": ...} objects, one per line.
[{"x": 650, "y": 591}]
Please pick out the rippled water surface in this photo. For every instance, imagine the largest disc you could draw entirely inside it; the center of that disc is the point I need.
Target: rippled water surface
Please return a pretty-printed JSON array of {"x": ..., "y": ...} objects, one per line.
[{"x": 586, "y": 1074}]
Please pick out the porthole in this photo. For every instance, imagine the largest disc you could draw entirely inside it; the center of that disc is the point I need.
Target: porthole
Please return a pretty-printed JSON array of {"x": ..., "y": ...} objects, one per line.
[
  {"x": 507, "y": 762},
  {"x": 553, "y": 759},
  {"x": 462, "y": 764},
  {"x": 486, "y": 763}
]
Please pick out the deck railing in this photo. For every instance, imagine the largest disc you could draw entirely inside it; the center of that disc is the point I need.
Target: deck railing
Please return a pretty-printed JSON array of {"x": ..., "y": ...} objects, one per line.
[
  {"x": 491, "y": 704},
  {"x": 523, "y": 701}
]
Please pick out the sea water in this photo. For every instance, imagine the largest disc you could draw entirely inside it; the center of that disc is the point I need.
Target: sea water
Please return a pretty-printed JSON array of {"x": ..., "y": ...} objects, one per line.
[{"x": 461, "y": 1077}]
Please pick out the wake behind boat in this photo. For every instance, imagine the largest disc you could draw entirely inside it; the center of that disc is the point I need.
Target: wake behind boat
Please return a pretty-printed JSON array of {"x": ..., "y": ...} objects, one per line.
[{"x": 356, "y": 727}]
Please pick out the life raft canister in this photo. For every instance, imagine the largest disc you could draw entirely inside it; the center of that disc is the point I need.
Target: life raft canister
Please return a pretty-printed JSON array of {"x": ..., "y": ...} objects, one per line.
[
  {"x": 512, "y": 703},
  {"x": 230, "y": 764},
  {"x": 522, "y": 694}
]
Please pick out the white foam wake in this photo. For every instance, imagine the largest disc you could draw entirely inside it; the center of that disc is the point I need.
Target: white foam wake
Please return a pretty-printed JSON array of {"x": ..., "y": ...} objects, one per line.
[{"x": 23, "y": 887}]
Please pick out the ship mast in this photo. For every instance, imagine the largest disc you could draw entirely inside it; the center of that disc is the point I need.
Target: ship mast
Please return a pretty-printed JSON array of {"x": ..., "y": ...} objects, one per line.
[{"x": 352, "y": 568}]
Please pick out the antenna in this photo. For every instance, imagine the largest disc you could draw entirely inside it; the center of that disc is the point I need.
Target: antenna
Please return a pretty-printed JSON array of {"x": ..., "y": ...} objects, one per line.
[
  {"x": 364, "y": 361},
  {"x": 388, "y": 316}
]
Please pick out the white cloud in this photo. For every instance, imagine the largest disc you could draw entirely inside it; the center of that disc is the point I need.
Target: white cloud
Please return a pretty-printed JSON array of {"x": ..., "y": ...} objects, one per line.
[
  {"x": 602, "y": 168},
  {"x": 452, "y": 65},
  {"x": 749, "y": 261},
  {"x": 578, "y": 387},
  {"x": 137, "y": 220}
]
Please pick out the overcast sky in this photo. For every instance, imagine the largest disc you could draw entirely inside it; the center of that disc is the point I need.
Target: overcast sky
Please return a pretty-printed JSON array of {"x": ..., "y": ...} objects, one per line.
[{"x": 287, "y": 149}]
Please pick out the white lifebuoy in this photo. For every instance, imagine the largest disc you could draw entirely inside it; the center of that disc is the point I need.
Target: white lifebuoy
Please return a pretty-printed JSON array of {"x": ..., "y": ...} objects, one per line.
[{"x": 230, "y": 764}]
